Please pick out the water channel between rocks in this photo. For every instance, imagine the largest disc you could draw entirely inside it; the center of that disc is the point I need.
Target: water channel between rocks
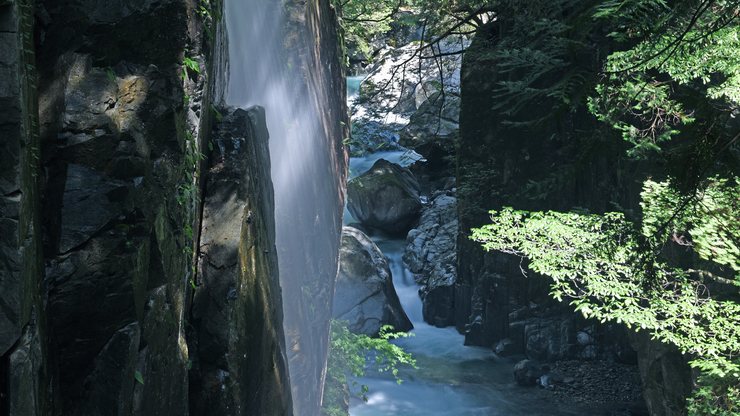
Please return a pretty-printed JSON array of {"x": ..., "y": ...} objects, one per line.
[{"x": 452, "y": 379}]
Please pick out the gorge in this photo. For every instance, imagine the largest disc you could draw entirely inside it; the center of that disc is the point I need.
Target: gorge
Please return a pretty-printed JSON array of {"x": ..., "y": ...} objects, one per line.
[{"x": 175, "y": 178}]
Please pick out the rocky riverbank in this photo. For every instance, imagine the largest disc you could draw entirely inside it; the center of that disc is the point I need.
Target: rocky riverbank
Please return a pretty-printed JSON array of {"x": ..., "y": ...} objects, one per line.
[{"x": 594, "y": 382}]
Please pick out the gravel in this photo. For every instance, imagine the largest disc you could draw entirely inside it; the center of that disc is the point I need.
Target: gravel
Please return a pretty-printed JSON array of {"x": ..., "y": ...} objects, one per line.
[{"x": 596, "y": 383}]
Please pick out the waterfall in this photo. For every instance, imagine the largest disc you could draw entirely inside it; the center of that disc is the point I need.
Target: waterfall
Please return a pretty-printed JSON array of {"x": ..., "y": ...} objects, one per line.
[{"x": 291, "y": 83}]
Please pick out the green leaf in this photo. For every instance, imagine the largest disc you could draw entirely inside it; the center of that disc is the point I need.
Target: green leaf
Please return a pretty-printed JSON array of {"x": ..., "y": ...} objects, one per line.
[
  {"x": 215, "y": 111},
  {"x": 191, "y": 64},
  {"x": 138, "y": 377}
]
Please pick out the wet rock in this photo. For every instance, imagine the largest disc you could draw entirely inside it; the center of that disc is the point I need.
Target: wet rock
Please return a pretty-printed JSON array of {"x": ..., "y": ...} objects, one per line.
[
  {"x": 431, "y": 255},
  {"x": 527, "y": 373},
  {"x": 505, "y": 347},
  {"x": 385, "y": 197},
  {"x": 364, "y": 295},
  {"x": 237, "y": 313},
  {"x": 90, "y": 202},
  {"x": 387, "y": 102}
]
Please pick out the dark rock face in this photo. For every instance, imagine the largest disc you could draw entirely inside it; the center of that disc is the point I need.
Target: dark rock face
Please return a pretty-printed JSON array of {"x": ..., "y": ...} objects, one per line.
[
  {"x": 114, "y": 146},
  {"x": 385, "y": 197},
  {"x": 495, "y": 305},
  {"x": 24, "y": 337},
  {"x": 496, "y": 160},
  {"x": 313, "y": 235},
  {"x": 100, "y": 168},
  {"x": 238, "y": 351},
  {"x": 665, "y": 375},
  {"x": 364, "y": 295},
  {"x": 431, "y": 254}
]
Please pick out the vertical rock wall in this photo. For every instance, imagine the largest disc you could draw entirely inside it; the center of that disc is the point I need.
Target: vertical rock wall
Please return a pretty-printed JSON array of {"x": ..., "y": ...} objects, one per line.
[
  {"x": 105, "y": 140},
  {"x": 313, "y": 222},
  {"x": 24, "y": 367},
  {"x": 237, "y": 345},
  {"x": 495, "y": 305},
  {"x": 496, "y": 162},
  {"x": 118, "y": 145}
]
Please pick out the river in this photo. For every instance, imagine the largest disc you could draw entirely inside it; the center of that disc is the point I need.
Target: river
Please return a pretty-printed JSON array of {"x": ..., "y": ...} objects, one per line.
[{"x": 452, "y": 379}]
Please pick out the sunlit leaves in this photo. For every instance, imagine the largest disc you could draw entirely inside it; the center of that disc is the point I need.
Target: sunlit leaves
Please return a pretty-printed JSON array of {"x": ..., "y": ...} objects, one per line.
[
  {"x": 688, "y": 50},
  {"x": 350, "y": 352},
  {"x": 613, "y": 272},
  {"x": 711, "y": 225}
]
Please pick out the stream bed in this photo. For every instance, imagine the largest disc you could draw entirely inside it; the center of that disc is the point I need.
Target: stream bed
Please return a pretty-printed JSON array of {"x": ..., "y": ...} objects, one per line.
[{"x": 452, "y": 379}]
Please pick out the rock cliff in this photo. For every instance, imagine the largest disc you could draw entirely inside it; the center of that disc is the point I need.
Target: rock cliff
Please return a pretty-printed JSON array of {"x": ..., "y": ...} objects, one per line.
[
  {"x": 309, "y": 223},
  {"x": 498, "y": 159},
  {"x": 126, "y": 284}
]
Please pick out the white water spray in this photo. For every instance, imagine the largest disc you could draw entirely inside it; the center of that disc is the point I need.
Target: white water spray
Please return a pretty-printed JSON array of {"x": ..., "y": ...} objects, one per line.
[{"x": 304, "y": 174}]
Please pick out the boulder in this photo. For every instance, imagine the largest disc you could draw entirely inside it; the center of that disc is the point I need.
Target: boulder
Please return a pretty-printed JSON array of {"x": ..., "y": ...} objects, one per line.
[
  {"x": 434, "y": 125},
  {"x": 385, "y": 197},
  {"x": 527, "y": 373},
  {"x": 364, "y": 294},
  {"x": 388, "y": 102},
  {"x": 431, "y": 255}
]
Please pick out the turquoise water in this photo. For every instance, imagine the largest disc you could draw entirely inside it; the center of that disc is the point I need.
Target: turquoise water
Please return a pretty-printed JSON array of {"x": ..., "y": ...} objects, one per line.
[
  {"x": 353, "y": 85},
  {"x": 452, "y": 379}
]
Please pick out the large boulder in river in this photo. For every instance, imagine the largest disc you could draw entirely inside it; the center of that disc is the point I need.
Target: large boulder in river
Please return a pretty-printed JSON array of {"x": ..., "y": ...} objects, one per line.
[
  {"x": 433, "y": 128},
  {"x": 364, "y": 294},
  {"x": 431, "y": 255},
  {"x": 527, "y": 373},
  {"x": 398, "y": 84},
  {"x": 385, "y": 197}
]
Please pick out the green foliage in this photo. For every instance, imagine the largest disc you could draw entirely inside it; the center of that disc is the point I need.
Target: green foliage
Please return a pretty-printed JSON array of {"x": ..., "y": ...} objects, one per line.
[
  {"x": 711, "y": 224},
  {"x": 685, "y": 58},
  {"x": 365, "y": 19},
  {"x": 218, "y": 115},
  {"x": 206, "y": 9},
  {"x": 613, "y": 272},
  {"x": 191, "y": 64},
  {"x": 663, "y": 79},
  {"x": 717, "y": 396},
  {"x": 349, "y": 354},
  {"x": 138, "y": 377}
]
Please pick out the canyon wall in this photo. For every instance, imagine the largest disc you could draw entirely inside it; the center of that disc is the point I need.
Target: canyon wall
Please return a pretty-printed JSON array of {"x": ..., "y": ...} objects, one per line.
[
  {"x": 310, "y": 221},
  {"x": 138, "y": 268},
  {"x": 498, "y": 159}
]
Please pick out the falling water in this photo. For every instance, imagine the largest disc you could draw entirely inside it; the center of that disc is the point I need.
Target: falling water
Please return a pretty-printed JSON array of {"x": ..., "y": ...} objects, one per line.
[{"x": 304, "y": 174}]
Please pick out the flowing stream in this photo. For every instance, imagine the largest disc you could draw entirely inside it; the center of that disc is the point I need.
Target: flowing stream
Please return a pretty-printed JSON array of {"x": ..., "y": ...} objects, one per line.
[{"x": 452, "y": 379}]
